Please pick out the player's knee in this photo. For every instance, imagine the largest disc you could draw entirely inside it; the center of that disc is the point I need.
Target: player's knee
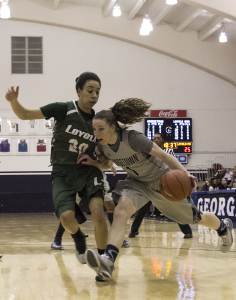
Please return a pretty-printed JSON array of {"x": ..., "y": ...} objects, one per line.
[
  {"x": 120, "y": 213},
  {"x": 66, "y": 218},
  {"x": 98, "y": 215}
]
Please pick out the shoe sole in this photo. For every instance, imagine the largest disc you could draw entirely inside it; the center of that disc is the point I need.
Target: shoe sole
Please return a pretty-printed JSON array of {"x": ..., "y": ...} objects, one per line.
[
  {"x": 126, "y": 246},
  {"x": 225, "y": 249},
  {"x": 57, "y": 248},
  {"x": 94, "y": 263},
  {"x": 133, "y": 236}
]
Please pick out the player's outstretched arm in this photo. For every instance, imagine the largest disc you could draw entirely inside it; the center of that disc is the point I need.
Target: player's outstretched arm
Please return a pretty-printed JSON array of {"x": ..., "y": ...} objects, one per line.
[
  {"x": 21, "y": 112},
  {"x": 85, "y": 159},
  {"x": 172, "y": 162}
]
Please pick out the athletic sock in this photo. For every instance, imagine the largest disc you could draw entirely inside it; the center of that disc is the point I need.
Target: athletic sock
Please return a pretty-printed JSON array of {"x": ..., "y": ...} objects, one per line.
[
  {"x": 222, "y": 229},
  {"x": 112, "y": 252},
  {"x": 110, "y": 217},
  {"x": 101, "y": 251},
  {"x": 60, "y": 232}
]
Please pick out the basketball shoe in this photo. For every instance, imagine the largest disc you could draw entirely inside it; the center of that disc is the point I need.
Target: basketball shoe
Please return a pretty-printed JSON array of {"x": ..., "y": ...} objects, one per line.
[
  {"x": 101, "y": 264},
  {"x": 81, "y": 246},
  {"x": 56, "y": 245},
  {"x": 126, "y": 244},
  {"x": 227, "y": 238}
]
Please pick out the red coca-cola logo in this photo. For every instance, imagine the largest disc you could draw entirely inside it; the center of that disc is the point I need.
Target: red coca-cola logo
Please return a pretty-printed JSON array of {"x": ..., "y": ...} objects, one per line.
[{"x": 168, "y": 114}]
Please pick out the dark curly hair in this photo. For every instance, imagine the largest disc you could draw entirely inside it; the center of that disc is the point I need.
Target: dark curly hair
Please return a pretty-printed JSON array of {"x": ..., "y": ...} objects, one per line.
[{"x": 126, "y": 111}]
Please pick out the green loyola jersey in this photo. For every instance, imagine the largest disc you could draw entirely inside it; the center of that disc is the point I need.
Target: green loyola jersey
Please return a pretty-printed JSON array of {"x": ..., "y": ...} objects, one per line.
[{"x": 71, "y": 137}]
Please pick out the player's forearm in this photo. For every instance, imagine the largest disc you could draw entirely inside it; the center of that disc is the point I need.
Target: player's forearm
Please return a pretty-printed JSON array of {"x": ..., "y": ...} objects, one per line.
[
  {"x": 173, "y": 163},
  {"x": 110, "y": 164},
  {"x": 19, "y": 110},
  {"x": 168, "y": 159},
  {"x": 26, "y": 114},
  {"x": 100, "y": 165}
]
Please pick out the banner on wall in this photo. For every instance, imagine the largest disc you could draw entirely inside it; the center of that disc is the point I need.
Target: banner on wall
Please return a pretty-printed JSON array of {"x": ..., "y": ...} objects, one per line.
[
  {"x": 168, "y": 113},
  {"x": 222, "y": 204}
]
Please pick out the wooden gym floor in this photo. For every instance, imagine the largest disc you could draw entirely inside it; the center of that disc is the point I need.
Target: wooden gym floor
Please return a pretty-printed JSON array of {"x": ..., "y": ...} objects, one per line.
[{"x": 160, "y": 264}]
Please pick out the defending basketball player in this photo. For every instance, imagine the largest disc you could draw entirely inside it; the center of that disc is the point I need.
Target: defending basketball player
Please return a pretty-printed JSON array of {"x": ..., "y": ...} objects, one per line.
[
  {"x": 73, "y": 134},
  {"x": 145, "y": 163}
]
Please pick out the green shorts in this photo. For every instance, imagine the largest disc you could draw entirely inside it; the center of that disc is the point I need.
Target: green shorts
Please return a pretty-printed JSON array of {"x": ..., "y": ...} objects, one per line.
[{"x": 67, "y": 181}]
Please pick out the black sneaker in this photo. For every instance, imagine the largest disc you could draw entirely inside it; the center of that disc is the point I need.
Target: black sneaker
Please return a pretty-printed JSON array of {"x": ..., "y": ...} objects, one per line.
[
  {"x": 188, "y": 236},
  {"x": 133, "y": 234}
]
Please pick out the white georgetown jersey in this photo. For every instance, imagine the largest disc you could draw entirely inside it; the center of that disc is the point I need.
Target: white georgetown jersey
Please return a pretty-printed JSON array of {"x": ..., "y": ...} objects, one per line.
[{"x": 139, "y": 165}]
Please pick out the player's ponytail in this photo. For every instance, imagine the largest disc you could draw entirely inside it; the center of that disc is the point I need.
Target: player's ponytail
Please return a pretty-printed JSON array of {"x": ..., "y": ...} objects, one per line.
[
  {"x": 128, "y": 111},
  {"x": 131, "y": 110}
]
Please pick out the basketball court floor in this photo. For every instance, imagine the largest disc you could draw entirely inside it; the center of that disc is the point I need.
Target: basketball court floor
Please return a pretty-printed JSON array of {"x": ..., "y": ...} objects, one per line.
[{"x": 160, "y": 264}]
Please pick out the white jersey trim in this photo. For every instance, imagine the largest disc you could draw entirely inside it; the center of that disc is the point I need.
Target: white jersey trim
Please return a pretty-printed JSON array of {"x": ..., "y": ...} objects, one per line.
[{"x": 73, "y": 110}]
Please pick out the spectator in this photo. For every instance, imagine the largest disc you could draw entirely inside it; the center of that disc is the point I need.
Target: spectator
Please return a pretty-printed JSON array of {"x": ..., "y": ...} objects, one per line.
[
  {"x": 213, "y": 184},
  {"x": 205, "y": 187},
  {"x": 217, "y": 174},
  {"x": 218, "y": 182},
  {"x": 228, "y": 175},
  {"x": 233, "y": 180},
  {"x": 224, "y": 185}
]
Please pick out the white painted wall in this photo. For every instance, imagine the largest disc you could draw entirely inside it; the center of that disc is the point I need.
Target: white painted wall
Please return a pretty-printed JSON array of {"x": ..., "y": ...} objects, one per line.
[{"x": 126, "y": 70}]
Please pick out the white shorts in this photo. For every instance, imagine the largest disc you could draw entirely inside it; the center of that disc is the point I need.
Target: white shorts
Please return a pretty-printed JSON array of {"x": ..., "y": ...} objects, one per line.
[{"x": 183, "y": 212}]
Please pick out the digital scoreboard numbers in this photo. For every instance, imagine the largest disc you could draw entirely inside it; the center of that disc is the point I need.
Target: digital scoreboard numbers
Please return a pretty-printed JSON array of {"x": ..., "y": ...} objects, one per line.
[
  {"x": 177, "y": 132},
  {"x": 179, "y": 147}
]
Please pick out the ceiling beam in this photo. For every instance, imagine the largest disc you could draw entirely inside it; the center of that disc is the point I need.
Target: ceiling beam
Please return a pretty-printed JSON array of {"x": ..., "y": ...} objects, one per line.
[
  {"x": 161, "y": 14},
  {"x": 108, "y": 7},
  {"x": 192, "y": 14},
  {"x": 135, "y": 9},
  {"x": 210, "y": 28},
  {"x": 55, "y": 4}
]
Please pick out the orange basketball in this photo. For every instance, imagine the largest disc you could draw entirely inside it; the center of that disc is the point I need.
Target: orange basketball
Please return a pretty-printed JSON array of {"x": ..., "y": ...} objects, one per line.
[{"x": 175, "y": 185}]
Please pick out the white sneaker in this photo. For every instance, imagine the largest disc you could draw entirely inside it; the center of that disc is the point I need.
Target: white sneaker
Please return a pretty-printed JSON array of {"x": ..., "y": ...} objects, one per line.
[
  {"x": 101, "y": 264},
  {"x": 126, "y": 244},
  {"x": 227, "y": 238},
  {"x": 56, "y": 246},
  {"x": 81, "y": 257}
]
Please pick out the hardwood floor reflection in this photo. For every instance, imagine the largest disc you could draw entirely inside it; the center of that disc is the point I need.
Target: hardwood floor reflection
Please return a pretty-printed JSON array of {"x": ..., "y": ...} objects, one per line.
[{"x": 160, "y": 264}]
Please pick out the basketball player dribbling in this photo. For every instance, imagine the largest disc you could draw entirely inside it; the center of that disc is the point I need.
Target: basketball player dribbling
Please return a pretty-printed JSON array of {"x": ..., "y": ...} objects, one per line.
[
  {"x": 145, "y": 163},
  {"x": 73, "y": 135}
]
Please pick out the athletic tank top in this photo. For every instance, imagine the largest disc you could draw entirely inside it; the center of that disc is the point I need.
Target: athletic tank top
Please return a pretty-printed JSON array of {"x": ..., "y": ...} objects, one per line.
[
  {"x": 71, "y": 137},
  {"x": 139, "y": 165}
]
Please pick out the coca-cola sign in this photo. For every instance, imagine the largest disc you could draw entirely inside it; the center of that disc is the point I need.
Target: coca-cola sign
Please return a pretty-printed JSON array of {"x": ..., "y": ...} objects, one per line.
[{"x": 168, "y": 113}]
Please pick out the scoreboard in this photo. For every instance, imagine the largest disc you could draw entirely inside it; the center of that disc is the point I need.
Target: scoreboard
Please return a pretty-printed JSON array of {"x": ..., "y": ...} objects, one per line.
[
  {"x": 179, "y": 147},
  {"x": 176, "y": 132}
]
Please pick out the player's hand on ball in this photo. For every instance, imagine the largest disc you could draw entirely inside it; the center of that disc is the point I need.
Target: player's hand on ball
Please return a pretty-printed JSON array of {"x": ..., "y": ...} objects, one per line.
[{"x": 12, "y": 94}]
